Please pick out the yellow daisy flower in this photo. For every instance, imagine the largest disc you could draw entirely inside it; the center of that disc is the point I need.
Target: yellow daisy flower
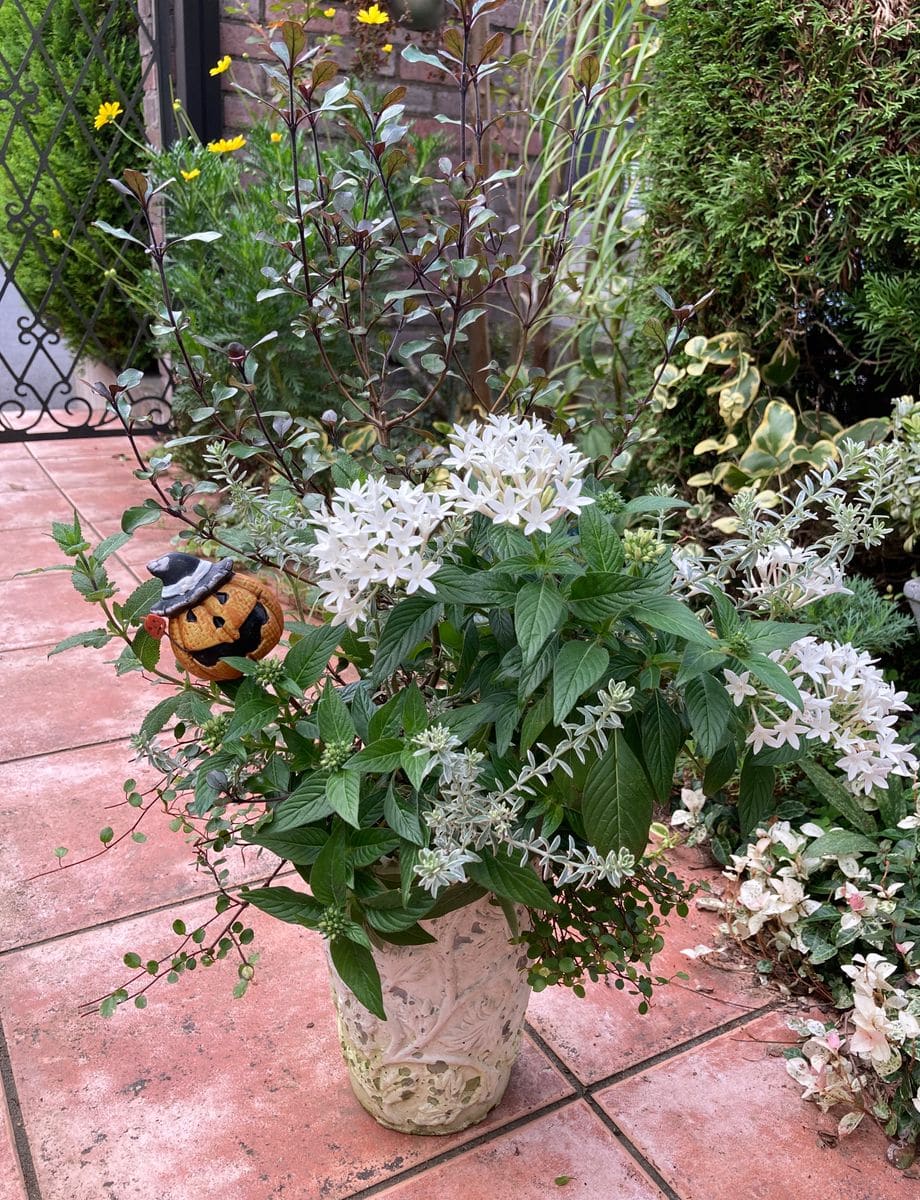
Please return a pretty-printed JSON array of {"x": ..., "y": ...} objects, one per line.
[
  {"x": 387, "y": 47},
  {"x": 329, "y": 12},
  {"x": 107, "y": 113},
  {"x": 373, "y": 15},
  {"x": 188, "y": 176},
  {"x": 226, "y": 145},
  {"x": 223, "y": 64},
  {"x": 55, "y": 233},
  {"x": 276, "y": 136}
]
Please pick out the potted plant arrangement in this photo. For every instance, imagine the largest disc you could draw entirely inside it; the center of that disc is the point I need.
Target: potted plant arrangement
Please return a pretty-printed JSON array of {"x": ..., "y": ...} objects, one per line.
[{"x": 490, "y": 661}]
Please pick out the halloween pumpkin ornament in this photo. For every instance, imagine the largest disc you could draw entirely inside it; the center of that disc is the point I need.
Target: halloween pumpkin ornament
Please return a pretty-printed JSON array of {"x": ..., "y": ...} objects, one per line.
[{"x": 215, "y": 612}]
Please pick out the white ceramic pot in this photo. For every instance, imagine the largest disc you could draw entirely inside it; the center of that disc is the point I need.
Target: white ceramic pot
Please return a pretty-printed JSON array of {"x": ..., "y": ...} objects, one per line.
[{"x": 455, "y": 1015}]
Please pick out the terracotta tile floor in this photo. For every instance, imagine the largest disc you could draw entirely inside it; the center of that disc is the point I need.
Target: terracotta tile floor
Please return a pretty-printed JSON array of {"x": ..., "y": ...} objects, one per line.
[{"x": 206, "y": 1098}]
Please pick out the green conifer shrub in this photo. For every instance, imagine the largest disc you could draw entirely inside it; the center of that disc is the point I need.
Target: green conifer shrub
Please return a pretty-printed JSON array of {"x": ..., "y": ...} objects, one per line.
[{"x": 782, "y": 171}]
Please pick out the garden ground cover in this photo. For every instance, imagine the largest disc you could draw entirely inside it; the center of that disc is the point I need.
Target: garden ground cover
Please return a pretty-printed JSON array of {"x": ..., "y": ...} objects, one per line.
[{"x": 209, "y": 1097}]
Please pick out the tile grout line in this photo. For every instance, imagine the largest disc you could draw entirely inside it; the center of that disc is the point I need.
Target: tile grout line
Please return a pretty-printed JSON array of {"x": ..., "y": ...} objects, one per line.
[
  {"x": 17, "y": 1122},
  {"x": 581, "y": 1092},
  {"x": 22, "y": 758},
  {"x": 699, "y": 1039},
  {"x": 483, "y": 1139},
  {"x": 585, "y": 1093},
  {"x": 176, "y": 902}
]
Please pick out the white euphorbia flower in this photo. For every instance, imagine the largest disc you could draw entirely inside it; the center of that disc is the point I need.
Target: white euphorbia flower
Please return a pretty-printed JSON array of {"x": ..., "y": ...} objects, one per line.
[{"x": 515, "y": 472}]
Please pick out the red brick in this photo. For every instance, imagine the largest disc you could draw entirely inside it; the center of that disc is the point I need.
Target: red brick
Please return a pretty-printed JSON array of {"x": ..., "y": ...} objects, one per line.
[
  {"x": 240, "y": 112},
  {"x": 237, "y": 40}
]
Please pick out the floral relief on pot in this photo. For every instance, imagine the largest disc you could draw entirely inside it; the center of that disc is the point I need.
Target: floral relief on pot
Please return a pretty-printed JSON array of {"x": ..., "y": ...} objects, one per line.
[{"x": 455, "y": 1015}]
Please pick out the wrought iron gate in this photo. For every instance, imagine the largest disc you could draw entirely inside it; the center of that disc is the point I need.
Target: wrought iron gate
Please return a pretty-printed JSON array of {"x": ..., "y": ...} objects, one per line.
[{"x": 68, "y": 309}]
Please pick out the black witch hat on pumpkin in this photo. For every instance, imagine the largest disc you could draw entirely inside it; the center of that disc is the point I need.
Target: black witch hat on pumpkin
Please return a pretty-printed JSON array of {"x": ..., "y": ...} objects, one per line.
[{"x": 186, "y": 580}]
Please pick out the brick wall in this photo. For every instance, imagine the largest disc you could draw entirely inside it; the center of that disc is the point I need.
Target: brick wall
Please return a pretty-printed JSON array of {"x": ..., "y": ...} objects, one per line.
[{"x": 427, "y": 93}]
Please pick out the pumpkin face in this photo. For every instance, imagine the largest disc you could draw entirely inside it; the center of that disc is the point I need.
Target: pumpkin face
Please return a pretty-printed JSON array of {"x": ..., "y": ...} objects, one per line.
[{"x": 242, "y": 618}]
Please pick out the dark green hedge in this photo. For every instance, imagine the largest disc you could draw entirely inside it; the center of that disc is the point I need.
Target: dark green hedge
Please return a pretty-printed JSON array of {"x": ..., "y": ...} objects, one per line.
[
  {"x": 69, "y": 192},
  {"x": 783, "y": 170}
]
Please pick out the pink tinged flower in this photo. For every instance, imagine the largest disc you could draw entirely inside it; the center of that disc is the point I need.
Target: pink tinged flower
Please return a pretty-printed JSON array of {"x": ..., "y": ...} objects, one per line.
[{"x": 872, "y": 1030}]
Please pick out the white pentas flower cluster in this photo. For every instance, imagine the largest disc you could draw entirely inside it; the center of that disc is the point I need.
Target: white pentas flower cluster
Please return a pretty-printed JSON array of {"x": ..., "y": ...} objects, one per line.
[
  {"x": 847, "y": 706},
  {"x": 793, "y": 576},
  {"x": 375, "y": 535},
  {"x": 515, "y": 472}
]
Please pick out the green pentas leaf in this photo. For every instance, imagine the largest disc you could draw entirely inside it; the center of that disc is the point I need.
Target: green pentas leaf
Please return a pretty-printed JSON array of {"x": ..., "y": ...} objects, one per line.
[
  {"x": 617, "y": 800},
  {"x": 378, "y": 758},
  {"x": 287, "y": 905},
  {"x": 709, "y": 709},
  {"x": 756, "y": 799},
  {"x": 357, "y": 970},
  {"x": 402, "y": 815},
  {"x": 720, "y": 768},
  {"x": 662, "y": 736},
  {"x": 307, "y": 659},
  {"x": 299, "y": 846},
  {"x": 330, "y": 875},
  {"x": 408, "y": 624},
  {"x": 579, "y": 666},
  {"x": 90, "y": 637},
  {"x": 772, "y": 675},
  {"x": 673, "y": 616},
  {"x": 600, "y": 543},
  {"x": 343, "y": 795},
  {"x": 538, "y": 612},
  {"x": 255, "y": 709},
  {"x": 504, "y": 875},
  {"x": 333, "y": 718},
  {"x": 306, "y": 804},
  {"x": 413, "y": 766}
]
